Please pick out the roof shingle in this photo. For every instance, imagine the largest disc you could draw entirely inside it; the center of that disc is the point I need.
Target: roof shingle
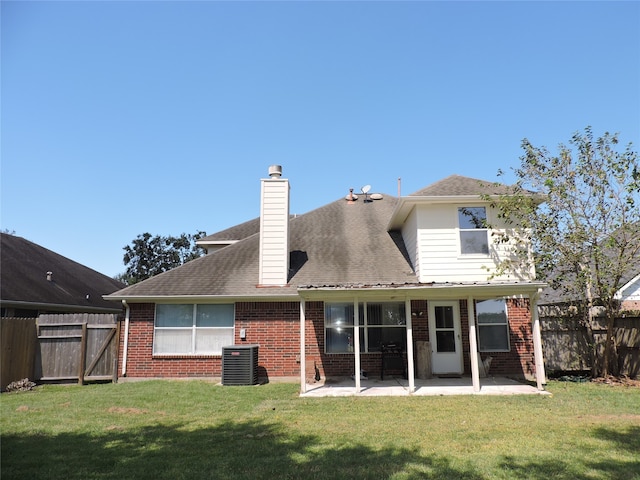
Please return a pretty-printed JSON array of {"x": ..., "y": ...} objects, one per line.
[
  {"x": 24, "y": 267},
  {"x": 340, "y": 243}
]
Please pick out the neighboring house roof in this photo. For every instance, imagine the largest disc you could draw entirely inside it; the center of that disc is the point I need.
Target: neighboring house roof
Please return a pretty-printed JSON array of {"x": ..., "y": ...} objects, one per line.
[
  {"x": 71, "y": 287},
  {"x": 629, "y": 278},
  {"x": 341, "y": 243}
]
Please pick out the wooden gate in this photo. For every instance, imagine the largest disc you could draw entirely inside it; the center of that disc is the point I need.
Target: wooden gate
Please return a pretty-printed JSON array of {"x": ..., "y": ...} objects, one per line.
[{"x": 78, "y": 346}]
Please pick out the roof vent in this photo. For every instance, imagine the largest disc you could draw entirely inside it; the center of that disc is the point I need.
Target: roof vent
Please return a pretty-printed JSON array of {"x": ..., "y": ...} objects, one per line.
[
  {"x": 275, "y": 171},
  {"x": 49, "y": 276}
]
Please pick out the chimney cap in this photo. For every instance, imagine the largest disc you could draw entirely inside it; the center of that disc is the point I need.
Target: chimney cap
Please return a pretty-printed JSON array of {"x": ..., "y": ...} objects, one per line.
[{"x": 275, "y": 171}]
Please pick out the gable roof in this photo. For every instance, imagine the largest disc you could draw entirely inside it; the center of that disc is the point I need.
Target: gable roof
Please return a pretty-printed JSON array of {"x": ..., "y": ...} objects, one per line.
[
  {"x": 341, "y": 243},
  {"x": 457, "y": 185},
  {"x": 454, "y": 188},
  {"x": 73, "y": 287}
]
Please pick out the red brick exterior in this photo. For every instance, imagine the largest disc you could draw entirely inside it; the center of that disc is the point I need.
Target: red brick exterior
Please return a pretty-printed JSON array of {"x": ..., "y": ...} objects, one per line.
[
  {"x": 631, "y": 305},
  {"x": 275, "y": 326},
  {"x": 520, "y": 359}
]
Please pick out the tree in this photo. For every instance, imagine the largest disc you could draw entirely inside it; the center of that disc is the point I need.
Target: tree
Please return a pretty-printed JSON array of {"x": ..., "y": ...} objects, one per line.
[
  {"x": 586, "y": 234},
  {"x": 150, "y": 255}
]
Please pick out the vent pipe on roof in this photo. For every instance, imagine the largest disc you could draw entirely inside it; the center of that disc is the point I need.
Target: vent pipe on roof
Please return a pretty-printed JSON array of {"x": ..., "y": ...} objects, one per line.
[
  {"x": 49, "y": 276},
  {"x": 275, "y": 171}
]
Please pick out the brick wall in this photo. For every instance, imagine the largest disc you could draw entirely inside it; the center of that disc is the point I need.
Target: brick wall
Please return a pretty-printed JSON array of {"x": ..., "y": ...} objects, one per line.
[
  {"x": 633, "y": 305},
  {"x": 275, "y": 326},
  {"x": 140, "y": 359},
  {"x": 520, "y": 359}
]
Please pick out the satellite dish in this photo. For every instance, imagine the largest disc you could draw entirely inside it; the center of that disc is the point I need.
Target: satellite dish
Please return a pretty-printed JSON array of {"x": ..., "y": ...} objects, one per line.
[{"x": 366, "y": 189}]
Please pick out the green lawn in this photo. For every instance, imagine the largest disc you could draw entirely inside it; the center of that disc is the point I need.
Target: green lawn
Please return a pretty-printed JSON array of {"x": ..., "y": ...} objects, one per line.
[{"x": 199, "y": 430}]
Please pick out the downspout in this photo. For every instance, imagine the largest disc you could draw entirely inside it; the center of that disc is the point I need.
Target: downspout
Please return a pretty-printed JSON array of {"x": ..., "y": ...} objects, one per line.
[{"x": 127, "y": 313}]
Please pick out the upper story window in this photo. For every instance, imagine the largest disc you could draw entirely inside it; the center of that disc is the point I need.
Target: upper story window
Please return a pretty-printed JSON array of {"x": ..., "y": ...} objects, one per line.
[
  {"x": 187, "y": 329},
  {"x": 474, "y": 237}
]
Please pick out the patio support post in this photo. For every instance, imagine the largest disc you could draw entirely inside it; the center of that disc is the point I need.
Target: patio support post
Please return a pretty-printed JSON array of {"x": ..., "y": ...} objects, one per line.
[
  {"x": 473, "y": 345},
  {"x": 356, "y": 341},
  {"x": 303, "y": 360},
  {"x": 537, "y": 341},
  {"x": 410, "y": 365}
]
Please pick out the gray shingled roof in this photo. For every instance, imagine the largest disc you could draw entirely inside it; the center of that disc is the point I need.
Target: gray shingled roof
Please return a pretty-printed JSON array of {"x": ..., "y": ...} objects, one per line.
[
  {"x": 338, "y": 244},
  {"x": 24, "y": 267},
  {"x": 455, "y": 185},
  {"x": 237, "y": 232}
]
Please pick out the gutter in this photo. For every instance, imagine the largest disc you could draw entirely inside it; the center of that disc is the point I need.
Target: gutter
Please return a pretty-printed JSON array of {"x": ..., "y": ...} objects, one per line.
[
  {"x": 285, "y": 297},
  {"x": 126, "y": 337}
]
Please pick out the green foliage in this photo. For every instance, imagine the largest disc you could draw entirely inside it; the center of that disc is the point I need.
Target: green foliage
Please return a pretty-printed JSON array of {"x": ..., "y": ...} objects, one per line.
[
  {"x": 196, "y": 429},
  {"x": 586, "y": 234},
  {"x": 150, "y": 255}
]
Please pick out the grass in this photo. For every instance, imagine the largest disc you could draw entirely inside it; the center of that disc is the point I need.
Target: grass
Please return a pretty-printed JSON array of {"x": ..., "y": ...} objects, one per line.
[{"x": 198, "y": 430}]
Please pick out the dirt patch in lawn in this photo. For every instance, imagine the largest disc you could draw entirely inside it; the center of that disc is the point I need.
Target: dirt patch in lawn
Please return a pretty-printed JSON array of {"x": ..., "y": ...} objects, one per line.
[
  {"x": 127, "y": 411},
  {"x": 618, "y": 381}
]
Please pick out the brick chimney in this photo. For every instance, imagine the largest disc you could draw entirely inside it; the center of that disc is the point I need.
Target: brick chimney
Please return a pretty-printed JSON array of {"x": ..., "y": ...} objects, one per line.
[{"x": 274, "y": 229}]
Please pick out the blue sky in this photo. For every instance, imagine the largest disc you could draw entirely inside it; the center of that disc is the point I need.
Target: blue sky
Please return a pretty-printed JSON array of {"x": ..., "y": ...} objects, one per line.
[{"x": 120, "y": 118}]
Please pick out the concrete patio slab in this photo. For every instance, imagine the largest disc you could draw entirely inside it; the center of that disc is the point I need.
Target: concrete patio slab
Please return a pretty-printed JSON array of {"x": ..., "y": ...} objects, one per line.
[{"x": 345, "y": 387}]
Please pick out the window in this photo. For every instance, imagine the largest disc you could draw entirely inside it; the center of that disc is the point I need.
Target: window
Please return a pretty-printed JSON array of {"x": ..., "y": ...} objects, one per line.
[
  {"x": 472, "y": 222},
  {"x": 493, "y": 326},
  {"x": 381, "y": 322},
  {"x": 188, "y": 329}
]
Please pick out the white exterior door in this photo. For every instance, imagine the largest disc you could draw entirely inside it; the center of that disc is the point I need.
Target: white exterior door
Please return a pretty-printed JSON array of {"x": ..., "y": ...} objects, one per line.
[{"x": 445, "y": 338}]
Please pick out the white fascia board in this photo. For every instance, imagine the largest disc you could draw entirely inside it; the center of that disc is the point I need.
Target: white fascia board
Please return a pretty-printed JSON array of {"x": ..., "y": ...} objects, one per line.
[
  {"x": 202, "y": 298},
  {"x": 216, "y": 242},
  {"x": 406, "y": 204},
  {"x": 620, "y": 293}
]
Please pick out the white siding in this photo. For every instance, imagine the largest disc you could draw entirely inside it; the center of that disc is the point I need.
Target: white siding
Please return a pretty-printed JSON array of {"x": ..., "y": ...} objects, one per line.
[
  {"x": 631, "y": 291},
  {"x": 438, "y": 248},
  {"x": 274, "y": 232}
]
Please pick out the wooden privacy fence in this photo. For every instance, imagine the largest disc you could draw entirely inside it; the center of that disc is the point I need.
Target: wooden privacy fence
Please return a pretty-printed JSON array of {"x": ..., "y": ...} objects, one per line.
[
  {"x": 81, "y": 346},
  {"x": 19, "y": 345},
  {"x": 567, "y": 343}
]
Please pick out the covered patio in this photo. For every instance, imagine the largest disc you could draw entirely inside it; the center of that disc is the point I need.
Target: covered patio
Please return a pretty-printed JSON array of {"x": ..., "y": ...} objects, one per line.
[
  {"x": 473, "y": 383},
  {"x": 399, "y": 387}
]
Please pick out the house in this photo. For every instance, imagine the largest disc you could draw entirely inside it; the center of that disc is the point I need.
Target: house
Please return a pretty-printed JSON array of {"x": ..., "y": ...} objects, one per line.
[
  {"x": 626, "y": 259},
  {"x": 35, "y": 280},
  {"x": 413, "y": 270},
  {"x": 629, "y": 294}
]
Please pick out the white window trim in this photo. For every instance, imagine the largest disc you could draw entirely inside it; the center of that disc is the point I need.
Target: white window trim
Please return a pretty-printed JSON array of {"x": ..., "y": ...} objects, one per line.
[
  {"x": 502, "y": 324},
  {"x": 194, "y": 330},
  {"x": 459, "y": 230},
  {"x": 364, "y": 326}
]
